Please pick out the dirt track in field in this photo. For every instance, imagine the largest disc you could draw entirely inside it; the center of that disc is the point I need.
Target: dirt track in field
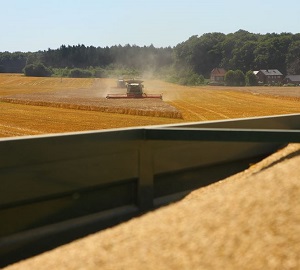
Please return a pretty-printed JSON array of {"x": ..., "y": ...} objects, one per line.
[{"x": 67, "y": 104}]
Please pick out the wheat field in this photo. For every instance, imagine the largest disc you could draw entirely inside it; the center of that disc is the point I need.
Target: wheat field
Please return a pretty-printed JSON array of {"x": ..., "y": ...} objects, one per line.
[{"x": 32, "y": 105}]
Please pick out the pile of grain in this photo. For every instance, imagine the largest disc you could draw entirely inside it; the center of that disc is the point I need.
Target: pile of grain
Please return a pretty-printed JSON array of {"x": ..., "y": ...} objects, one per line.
[{"x": 248, "y": 221}]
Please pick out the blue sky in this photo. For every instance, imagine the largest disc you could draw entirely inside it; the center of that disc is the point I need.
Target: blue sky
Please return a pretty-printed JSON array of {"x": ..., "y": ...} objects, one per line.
[{"x": 32, "y": 25}]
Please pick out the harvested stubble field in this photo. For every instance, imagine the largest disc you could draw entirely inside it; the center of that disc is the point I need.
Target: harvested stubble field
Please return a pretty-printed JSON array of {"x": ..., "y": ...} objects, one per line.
[{"x": 31, "y": 105}]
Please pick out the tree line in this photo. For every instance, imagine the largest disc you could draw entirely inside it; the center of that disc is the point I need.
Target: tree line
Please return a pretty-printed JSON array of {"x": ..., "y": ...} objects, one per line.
[
  {"x": 240, "y": 51},
  {"x": 188, "y": 62}
]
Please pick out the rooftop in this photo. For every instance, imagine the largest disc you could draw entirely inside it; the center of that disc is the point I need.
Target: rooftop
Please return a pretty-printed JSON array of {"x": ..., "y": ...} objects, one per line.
[
  {"x": 219, "y": 71},
  {"x": 293, "y": 77},
  {"x": 269, "y": 72}
]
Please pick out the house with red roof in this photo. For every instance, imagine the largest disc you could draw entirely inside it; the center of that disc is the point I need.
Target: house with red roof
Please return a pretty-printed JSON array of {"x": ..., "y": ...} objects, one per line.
[{"x": 217, "y": 76}]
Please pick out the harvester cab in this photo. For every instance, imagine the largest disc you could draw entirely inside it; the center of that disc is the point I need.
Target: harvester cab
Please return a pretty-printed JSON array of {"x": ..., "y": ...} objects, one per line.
[{"x": 134, "y": 90}]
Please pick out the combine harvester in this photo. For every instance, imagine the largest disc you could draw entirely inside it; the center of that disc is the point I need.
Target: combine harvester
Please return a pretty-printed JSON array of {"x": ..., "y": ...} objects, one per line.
[{"x": 134, "y": 90}]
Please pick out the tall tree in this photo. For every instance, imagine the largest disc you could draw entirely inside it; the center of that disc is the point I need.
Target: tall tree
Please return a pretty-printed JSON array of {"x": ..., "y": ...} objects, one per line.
[
  {"x": 271, "y": 52},
  {"x": 293, "y": 58},
  {"x": 12, "y": 62},
  {"x": 202, "y": 54},
  {"x": 251, "y": 78}
]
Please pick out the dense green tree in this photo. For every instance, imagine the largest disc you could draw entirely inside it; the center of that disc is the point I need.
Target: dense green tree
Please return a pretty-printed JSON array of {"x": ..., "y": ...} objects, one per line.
[
  {"x": 251, "y": 79},
  {"x": 239, "y": 77},
  {"x": 37, "y": 70},
  {"x": 243, "y": 56},
  {"x": 80, "y": 73},
  {"x": 201, "y": 54},
  {"x": 230, "y": 78},
  {"x": 235, "y": 78},
  {"x": 271, "y": 52},
  {"x": 238, "y": 50},
  {"x": 12, "y": 62},
  {"x": 293, "y": 58}
]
